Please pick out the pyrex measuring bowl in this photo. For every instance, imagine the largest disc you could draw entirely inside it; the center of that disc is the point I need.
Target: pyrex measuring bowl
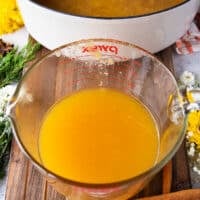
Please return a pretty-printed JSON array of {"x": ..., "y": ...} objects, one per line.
[{"x": 97, "y": 63}]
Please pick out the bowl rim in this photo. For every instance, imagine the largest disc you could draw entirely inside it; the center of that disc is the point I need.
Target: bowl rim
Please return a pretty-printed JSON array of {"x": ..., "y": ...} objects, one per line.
[
  {"x": 152, "y": 171},
  {"x": 110, "y": 18}
]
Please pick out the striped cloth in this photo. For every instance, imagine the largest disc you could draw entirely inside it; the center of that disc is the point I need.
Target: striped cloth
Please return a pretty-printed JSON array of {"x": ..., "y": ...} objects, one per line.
[{"x": 190, "y": 42}]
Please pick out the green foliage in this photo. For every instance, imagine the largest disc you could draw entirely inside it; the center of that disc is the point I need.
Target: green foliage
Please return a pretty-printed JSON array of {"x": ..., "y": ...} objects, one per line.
[{"x": 11, "y": 65}]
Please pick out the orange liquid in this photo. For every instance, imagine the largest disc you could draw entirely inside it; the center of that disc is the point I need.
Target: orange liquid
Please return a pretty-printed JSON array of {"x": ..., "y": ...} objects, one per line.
[{"x": 98, "y": 136}]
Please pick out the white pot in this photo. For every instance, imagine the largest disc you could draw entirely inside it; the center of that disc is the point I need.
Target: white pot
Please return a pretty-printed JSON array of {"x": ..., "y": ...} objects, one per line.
[{"x": 152, "y": 32}]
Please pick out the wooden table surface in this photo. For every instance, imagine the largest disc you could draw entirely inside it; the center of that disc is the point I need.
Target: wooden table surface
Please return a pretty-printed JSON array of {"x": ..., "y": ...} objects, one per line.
[{"x": 26, "y": 183}]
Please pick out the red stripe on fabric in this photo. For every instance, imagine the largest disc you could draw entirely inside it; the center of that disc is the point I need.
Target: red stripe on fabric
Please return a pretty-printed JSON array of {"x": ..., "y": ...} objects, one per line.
[
  {"x": 188, "y": 46},
  {"x": 179, "y": 43}
]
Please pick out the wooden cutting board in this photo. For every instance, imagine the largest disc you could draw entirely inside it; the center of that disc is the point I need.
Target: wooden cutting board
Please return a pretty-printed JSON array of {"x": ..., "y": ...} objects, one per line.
[{"x": 26, "y": 183}]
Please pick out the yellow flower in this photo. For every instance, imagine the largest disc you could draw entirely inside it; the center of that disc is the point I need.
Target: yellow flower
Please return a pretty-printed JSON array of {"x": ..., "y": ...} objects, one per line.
[
  {"x": 10, "y": 18},
  {"x": 193, "y": 128},
  {"x": 189, "y": 97}
]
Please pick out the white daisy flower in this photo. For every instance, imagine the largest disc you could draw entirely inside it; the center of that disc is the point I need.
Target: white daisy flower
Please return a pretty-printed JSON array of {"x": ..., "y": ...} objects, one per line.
[
  {"x": 191, "y": 151},
  {"x": 195, "y": 169},
  {"x": 187, "y": 78}
]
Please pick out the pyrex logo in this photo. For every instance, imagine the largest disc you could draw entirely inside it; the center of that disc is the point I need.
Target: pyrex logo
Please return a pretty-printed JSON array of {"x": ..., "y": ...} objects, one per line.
[{"x": 102, "y": 48}]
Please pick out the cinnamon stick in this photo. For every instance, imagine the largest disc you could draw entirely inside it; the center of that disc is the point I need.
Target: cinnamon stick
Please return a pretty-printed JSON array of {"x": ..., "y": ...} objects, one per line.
[
  {"x": 167, "y": 178},
  {"x": 190, "y": 194}
]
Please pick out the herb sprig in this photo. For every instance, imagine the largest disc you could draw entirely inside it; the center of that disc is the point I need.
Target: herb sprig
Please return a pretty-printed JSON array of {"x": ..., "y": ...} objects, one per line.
[
  {"x": 13, "y": 62},
  {"x": 5, "y": 139}
]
